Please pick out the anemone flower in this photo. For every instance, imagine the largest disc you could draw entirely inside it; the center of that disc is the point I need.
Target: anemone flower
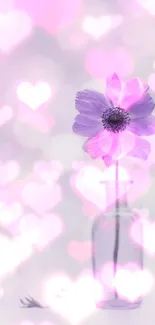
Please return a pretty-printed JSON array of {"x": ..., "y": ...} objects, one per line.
[{"x": 115, "y": 122}]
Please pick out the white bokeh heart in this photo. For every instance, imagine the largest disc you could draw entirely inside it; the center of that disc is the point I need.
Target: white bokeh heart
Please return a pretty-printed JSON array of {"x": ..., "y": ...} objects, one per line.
[
  {"x": 34, "y": 95},
  {"x": 97, "y": 26},
  {"x": 132, "y": 285},
  {"x": 73, "y": 300},
  {"x": 15, "y": 26},
  {"x": 90, "y": 183},
  {"x": 130, "y": 280}
]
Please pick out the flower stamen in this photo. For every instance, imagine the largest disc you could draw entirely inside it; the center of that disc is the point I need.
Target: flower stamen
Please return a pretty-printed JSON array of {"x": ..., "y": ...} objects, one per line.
[{"x": 115, "y": 119}]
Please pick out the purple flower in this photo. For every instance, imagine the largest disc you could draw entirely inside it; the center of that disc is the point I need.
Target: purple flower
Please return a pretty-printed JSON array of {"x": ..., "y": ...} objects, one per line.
[{"x": 113, "y": 122}]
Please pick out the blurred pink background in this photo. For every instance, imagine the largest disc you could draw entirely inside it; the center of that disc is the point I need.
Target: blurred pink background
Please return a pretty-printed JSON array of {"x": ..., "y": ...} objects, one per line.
[{"x": 50, "y": 190}]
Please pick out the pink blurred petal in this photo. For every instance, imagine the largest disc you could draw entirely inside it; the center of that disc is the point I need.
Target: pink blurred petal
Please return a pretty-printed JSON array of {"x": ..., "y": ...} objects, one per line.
[
  {"x": 132, "y": 92},
  {"x": 127, "y": 142},
  {"x": 108, "y": 160},
  {"x": 114, "y": 87},
  {"x": 141, "y": 149},
  {"x": 114, "y": 152},
  {"x": 142, "y": 108},
  {"x": 99, "y": 145}
]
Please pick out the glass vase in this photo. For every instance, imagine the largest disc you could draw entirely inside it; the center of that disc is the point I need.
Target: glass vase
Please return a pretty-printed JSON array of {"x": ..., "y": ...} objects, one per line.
[{"x": 115, "y": 256}]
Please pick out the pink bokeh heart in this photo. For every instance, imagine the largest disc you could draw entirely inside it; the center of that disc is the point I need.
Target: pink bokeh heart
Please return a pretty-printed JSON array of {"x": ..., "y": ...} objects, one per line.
[
  {"x": 10, "y": 213},
  {"x": 48, "y": 15},
  {"x": 73, "y": 300},
  {"x": 97, "y": 186},
  {"x": 48, "y": 172},
  {"x": 41, "y": 197},
  {"x": 91, "y": 184},
  {"x": 9, "y": 171},
  {"x": 147, "y": 227},
  {"x": 40, "y": 232},
  {"x": 15, "y": 26},
  {"x": 80, "y": 251},
  {"x": 6, "y": 114},
  {"x": 34, "y": 95}
]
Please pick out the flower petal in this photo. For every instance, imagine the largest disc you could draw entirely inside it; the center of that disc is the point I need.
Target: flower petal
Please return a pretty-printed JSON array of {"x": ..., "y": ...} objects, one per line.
[
  {"x": 86, "y": 130},
  {"x": 141, "y": 149},
  {"x": 87, "y": 120},
  {"x": 114, "y": 152},
  {"x": 113, "y": 89},
  {"x": 108, "y": 160},
  {"x": 122, "y": 145},
  {"x": 99, "y": 145},
  {"x": 142, "y": 126},
  {"x": 142, "y": 108},
  {"x": 133, "y": 91},
  {"x": 127, "y": 143},
  {"x": 91, "y": 102}
]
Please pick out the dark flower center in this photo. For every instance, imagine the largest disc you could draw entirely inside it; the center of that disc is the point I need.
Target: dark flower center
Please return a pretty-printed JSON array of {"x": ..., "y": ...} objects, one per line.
[{"x": 115, "y": 119}]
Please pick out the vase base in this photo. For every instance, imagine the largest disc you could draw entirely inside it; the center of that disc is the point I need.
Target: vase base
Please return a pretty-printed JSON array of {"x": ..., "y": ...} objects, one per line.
[{"x": 118, "y": 304}]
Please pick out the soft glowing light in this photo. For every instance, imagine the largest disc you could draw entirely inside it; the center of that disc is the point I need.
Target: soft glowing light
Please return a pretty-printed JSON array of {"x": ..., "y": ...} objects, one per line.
[
  {"x": 15, "y": 26},
  {"x": 75, "y": 40},
  {"x": 48, "y": 172},
  {"x": 46, "y": 323},
  {"x": 130, "y": 281},
  {"x": 40, "y": 232},
  {"x": 97, "y": 26},
  {"x": 49, "y": 16},
  {"x": 149, "y": 5},
  {"x": 72, "y": 300},
  {"x": 143, "y": 233},
  {"x": 101, "y": 64},
  {"x": 6, "y": 114},
  {"x": 39, "y": 119},
  {"x": 26, "y": 322},
  {"x": 80, "y": 251},
  {"x": 34, "y": 95},
  {"x": 132, "y": 285},
  {"x": 8, "y": 171},
  {"x": 77, "y": 165},
  {"x": 41, "y": 197},
  {"x": 89, "y": 183},
  {"x": 10, "y": 213},
  {"x": 6, "y": 6},
  {"x": 13, "y": 252}
]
